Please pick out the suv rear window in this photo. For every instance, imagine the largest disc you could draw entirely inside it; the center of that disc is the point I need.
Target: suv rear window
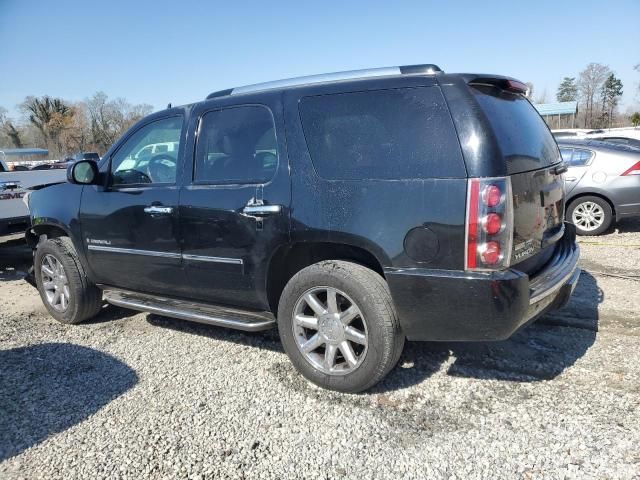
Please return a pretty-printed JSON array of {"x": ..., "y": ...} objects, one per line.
[
  {"x": 525, "y": 141},
  {"x": 384, "y": 134}
]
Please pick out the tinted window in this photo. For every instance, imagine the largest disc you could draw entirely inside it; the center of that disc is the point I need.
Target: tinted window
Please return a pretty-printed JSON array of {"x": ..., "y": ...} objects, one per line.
[
  {"x": 384, "y": 134},
  {"x": 524, "y": 139},
  {"x": 576, "y": 157},
  {"x": 236, "y": 145},
  {"x": 134, "y": 162},
  {"x": 566, "y": 155}
]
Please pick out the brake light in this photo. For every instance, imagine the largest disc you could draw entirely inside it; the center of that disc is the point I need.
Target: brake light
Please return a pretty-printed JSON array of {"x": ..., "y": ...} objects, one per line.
[
  {"x": 635, "y": 170},
  {"x": 489, "y": 225},
  {"x": 516, "y": 87}
]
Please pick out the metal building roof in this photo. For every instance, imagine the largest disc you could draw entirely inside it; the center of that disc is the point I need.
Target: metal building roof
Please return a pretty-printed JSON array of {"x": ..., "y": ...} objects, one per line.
[
  {"x": 559, "y": 108},
  {"x": 24, "y": 151}
]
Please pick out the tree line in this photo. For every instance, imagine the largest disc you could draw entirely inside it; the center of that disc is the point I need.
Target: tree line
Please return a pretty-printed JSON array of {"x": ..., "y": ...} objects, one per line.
[
  {"x": 597, "y": 91},
  {"x": 65, "y": 127}
]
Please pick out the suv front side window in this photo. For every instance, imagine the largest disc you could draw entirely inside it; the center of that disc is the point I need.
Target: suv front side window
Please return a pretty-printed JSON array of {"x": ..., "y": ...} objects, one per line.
[
  {"x": 135, "y": 162},
  {"x": 236, "y": 145}
]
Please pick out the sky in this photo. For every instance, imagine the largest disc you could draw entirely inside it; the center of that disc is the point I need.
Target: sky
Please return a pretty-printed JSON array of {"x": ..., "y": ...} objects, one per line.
[{"x": 179, "y": 51}]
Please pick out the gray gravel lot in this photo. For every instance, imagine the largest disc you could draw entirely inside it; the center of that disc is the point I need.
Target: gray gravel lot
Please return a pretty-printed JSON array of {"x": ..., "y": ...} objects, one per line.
[{"x": 134, "y": 395}]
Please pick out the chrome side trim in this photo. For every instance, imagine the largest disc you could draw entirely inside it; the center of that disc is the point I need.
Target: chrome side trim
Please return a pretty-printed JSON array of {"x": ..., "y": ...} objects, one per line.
[
  {"x": 196, "y": 312},
  {"x": 261, "y": 209},
  {"x": 132, "y": 251},
  {"x": 204, "y": 258}
]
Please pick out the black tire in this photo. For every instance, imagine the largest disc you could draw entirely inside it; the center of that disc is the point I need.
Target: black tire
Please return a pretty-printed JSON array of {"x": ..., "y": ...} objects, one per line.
[
  {"x": 85, "y": 299},
  {"x": 371, "y": 294},
  {"x": 603, "y": 204}
]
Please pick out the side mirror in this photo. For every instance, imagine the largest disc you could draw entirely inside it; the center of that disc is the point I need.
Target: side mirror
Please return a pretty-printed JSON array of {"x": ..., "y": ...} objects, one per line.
[{"x": 84, "y": 172}]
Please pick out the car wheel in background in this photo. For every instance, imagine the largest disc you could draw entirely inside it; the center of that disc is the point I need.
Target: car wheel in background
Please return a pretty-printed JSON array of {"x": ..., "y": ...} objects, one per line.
[
  {"x": 66, "y": 292},
  {"x": 591, "y": 215},
  {"x": 338, "y": 325}
]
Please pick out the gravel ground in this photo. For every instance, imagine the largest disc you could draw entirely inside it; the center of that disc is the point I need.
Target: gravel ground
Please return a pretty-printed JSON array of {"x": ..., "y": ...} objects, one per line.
[{"x": 134, "y": 395}]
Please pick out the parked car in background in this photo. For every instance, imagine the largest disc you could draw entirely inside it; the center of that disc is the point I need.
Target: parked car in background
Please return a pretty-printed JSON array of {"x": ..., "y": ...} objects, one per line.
[
  {"x": 13, "y": 187},
  {"x": 350, "y": 210},
  {"x": 631, "y": 142},
  {"x": 602, "y": 183}
]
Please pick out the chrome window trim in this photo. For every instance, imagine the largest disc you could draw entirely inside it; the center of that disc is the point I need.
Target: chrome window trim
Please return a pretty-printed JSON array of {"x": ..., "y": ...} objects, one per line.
[{"x": 152, "y": 253}]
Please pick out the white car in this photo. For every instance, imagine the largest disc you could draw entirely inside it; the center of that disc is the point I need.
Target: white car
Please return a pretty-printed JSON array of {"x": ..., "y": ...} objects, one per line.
[{"x": 13, "y": 187}]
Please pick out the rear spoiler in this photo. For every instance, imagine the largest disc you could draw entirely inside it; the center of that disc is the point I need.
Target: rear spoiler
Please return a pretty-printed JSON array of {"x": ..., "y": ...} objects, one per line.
[{"x": 508, "y": 84}]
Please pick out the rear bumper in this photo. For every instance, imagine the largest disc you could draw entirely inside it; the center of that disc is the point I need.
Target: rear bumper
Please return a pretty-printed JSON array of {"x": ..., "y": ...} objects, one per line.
[{"x": 445, "y": 305}]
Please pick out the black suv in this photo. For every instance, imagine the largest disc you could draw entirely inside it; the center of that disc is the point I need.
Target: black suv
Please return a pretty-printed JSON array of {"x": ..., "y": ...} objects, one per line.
[{"x": 350, "y": 210}]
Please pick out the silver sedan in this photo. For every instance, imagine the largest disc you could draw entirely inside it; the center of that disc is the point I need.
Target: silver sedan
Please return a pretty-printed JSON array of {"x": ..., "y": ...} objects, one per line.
[{"x": 602, "y": 183}]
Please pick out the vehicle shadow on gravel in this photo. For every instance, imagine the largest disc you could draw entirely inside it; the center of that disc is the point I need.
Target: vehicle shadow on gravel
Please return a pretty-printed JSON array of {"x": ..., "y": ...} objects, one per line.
[
  {"x": 626, "y": 225},
  {"x": 541, "y": 351},
  {"x": 46, "y": 389}
]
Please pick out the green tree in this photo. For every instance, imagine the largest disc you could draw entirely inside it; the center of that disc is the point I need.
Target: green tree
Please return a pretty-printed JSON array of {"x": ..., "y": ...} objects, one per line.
[
  {"x": 610, "y": 94},
  {"x": 635, "y": 119},
  {"x": 568, "y": 90}
]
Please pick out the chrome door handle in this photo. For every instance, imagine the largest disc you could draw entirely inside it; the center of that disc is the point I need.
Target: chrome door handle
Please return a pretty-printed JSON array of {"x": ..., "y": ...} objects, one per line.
[
  {"x": 156, "y": 210},
  {"x": 570, "y": 179},
  {"x": 260, "y": 210}
]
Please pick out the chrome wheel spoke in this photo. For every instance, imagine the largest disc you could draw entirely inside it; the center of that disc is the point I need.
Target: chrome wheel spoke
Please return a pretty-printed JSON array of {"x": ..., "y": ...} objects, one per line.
[
  {"x": 348, "y": 353},
  {"x": 349, "y": 314},
  {"x": 314, "y": 304},
  {"x": 355, "y": 336},
  {"x": 306, "y": 321},
  {"x": 332, "y": 301},
  {"x": 330, "y": 356},
  {"x": 314, "y": 342},
  {"x": 47, "y": 271}
]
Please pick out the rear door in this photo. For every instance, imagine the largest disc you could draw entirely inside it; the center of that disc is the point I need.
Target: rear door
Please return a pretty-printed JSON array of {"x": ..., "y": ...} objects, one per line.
[
  {"x": 234, "y": 205},
  {"x": 577, "y": 161}
]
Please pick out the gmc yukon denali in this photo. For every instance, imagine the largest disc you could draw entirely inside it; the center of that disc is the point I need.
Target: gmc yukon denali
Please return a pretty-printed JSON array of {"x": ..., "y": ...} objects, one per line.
[{"x": 351, "y": 211}]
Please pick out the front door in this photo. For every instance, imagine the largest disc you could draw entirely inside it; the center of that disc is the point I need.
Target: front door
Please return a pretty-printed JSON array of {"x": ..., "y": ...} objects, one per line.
[
  {"x": 130, "y": 227},
  {"x": 234, "y": 208}
]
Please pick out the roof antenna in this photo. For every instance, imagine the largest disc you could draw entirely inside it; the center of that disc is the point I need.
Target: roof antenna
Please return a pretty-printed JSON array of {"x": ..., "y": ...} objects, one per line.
[{"x": 169, "y": 105}]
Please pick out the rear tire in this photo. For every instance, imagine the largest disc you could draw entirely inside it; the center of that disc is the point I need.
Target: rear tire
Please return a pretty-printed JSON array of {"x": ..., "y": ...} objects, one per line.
[
  {"x": 356, "y": 340},
  {"x": 67, "y": 293},
  {"x": 591, "y": 215}
]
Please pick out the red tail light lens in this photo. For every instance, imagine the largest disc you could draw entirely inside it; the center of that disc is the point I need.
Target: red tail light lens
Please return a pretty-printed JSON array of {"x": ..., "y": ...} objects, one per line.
[
  {"x": 491, "y": 195},
  {"x": 635, "y": 170},
  {"x": 492, "y": 223},
  {"x": 490, "y": 253},
  {"x": 489, "y": 223}
]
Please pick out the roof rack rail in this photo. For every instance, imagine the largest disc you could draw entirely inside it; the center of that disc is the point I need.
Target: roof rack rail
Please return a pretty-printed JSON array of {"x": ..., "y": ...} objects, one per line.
[{"x": 429, "y": 69}]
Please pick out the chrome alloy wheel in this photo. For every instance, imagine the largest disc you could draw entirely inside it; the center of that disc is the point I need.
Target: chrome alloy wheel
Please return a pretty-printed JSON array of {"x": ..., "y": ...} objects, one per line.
[
  {"x": 55, "y": 283},
  {"x": 588, "y": 216},
  {"x": 330, "y": 330}
]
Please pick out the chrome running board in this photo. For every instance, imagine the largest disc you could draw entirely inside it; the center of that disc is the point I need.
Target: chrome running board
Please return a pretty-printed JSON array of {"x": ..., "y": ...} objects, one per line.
[{"x": 193, "y": 311}]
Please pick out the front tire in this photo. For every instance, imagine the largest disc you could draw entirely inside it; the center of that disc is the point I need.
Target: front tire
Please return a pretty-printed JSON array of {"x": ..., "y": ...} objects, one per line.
[
  {"x": 591, "y": 215},
  {"x": 339, "y": 327},
  {"x": 67, "y": 293}
]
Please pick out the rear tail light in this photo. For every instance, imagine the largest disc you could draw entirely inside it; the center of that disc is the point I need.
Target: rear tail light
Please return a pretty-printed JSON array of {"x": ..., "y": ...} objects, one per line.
[
  {"x": 489, "y": 224},
  {"x": 635, "y": 170}
]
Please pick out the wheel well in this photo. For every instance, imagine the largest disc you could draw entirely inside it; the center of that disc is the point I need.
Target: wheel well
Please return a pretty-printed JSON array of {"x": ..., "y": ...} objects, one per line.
[
  {"x": 581, "y": 195},
  {"x": 50, "y": 231},
  {"x": 289, "y": 260}
]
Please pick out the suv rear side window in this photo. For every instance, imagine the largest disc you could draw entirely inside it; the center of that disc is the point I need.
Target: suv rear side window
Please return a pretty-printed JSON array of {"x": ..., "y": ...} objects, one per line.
[
  {"x": 236, "y": 145},
  {"x": 385, "y": 134},
  {"x": 523, "y": 137}
]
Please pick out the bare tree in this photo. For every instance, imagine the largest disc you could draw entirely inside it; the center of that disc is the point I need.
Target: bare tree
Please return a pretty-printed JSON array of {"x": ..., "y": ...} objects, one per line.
[
  {"x": 108, "y": 119},
  {"x": 589, "y": 85},
  {"x": 9, "y": 134}
]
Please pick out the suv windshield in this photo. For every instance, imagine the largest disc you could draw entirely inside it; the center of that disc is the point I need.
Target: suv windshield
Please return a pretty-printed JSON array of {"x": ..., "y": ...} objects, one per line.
[{"x": 525, "y": 140}]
